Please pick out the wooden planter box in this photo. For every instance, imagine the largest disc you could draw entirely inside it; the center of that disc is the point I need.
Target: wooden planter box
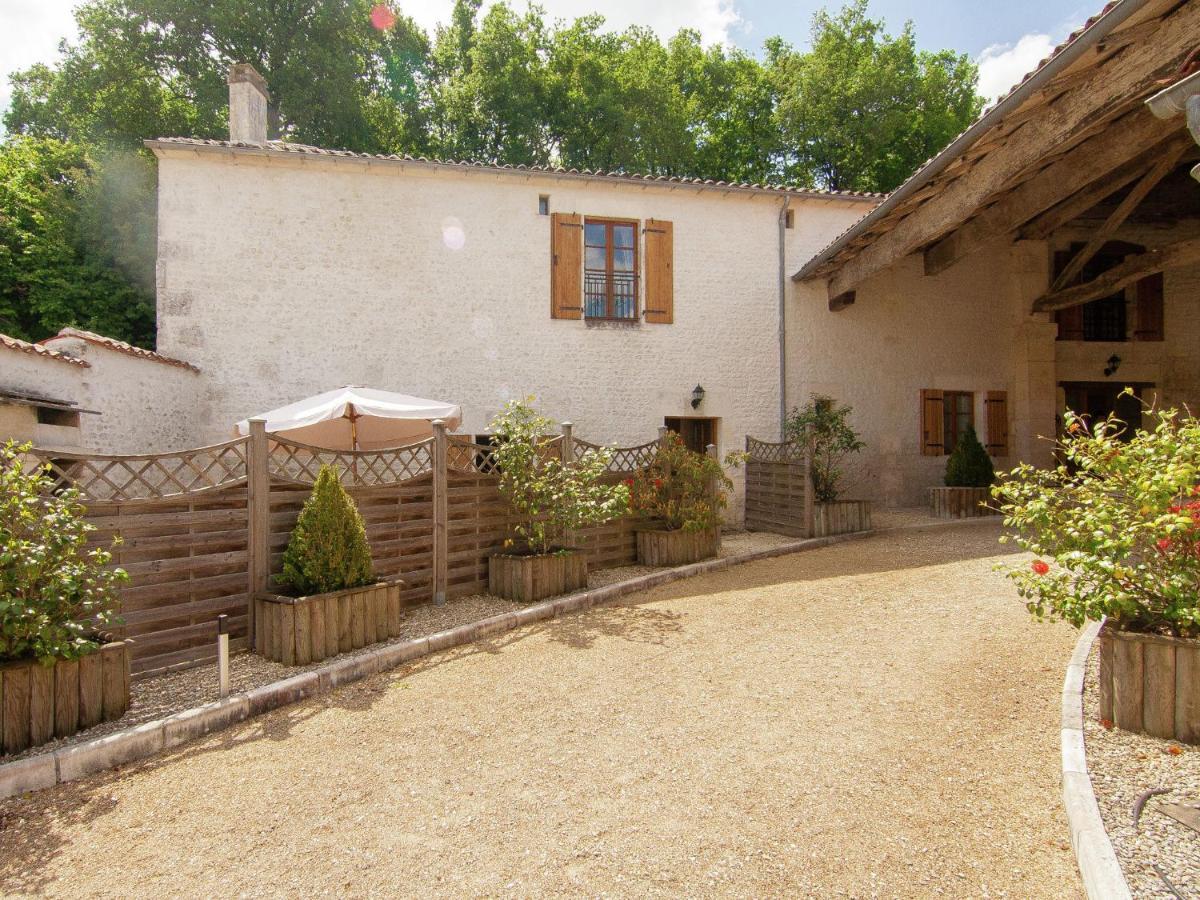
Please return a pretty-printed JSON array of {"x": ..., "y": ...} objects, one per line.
[
  {"x": 960, "y": 502},
  {"x": 841, "y": 517},
  {"x": 530, "y": 578},
  {"x": 1151, "y": 684},
  {"x": 677, "y": 548},
  {"x": 39, "y": 703},
  {"x": 298, "y": 630}
]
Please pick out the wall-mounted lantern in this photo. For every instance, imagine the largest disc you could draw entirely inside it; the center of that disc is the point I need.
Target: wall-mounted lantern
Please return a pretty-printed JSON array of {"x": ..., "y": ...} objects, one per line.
[
  {"x": 1114, "y": 363},
  {"x": 697, "y": 396}
]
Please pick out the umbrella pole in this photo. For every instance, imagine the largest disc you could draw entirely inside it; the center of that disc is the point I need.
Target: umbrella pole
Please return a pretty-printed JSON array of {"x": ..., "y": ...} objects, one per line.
[{"x": 352, "y": 415}]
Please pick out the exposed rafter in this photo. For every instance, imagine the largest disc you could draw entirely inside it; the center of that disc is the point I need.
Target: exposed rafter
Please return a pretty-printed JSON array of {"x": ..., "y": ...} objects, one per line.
[{"x": 1120, "y": 276}]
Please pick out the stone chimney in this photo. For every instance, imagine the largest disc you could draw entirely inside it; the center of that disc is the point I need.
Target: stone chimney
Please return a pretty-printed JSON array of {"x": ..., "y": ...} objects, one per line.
[{"x": 247, "y": 105}]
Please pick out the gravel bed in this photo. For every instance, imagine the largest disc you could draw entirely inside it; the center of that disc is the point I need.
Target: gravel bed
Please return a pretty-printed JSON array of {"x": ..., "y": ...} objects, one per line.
[
  {"x": 1123, "y": 765},
  {"x": 877, "y": 718}
]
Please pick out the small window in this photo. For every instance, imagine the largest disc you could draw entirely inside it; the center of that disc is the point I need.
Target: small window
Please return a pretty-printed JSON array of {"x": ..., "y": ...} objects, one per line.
[
  {"x": 697, "y": 433},
  {"x": 610, "y": 269},
  {"x": 789, "y": 218},
  {"x": 543, "y": 204},
  {"x": 958, "y": 413},
  {"x": 66, "y": 418}
]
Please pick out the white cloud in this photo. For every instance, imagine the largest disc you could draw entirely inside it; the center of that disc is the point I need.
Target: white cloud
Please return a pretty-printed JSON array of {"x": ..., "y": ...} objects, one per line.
[
  {"x": 714, "y": 19},
  {"x": 1001, "y": 66},
  {"x": 30, "y": 33}
]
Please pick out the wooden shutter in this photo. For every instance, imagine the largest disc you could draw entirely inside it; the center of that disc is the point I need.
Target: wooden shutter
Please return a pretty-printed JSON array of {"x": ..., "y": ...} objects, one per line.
[
  {"x": 1150, "y": 308},
  {"x": 566, "y": 266},
  {"x": 932, "y": 440},
  {"x": 995, "y": 404},
  {"x": 660, "y": 272},
  {"x": 1070, "y": 320}
]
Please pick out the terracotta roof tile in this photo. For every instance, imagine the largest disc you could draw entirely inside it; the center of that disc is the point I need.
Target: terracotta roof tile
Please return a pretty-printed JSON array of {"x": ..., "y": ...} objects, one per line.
[
  {"x": 21, "y": 346},
  {"x": 122, "y": 347}
]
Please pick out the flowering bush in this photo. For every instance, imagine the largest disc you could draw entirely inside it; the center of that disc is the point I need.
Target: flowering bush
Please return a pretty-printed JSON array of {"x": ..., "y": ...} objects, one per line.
[
  {"x": 1120, "y": 521},
  {"x": 55, "y": 594},
  {"x": 833, "y": 439},
  {"x": 551, "y": 499},
  {"x": 682, "y": 489}
]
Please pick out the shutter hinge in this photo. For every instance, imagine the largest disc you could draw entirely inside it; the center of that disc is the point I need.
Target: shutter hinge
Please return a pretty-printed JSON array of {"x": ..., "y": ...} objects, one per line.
[
  {"x": 662, "y": 312},
  {"x": 654, "y": 230},
  {"x": 570, "y": 224}
]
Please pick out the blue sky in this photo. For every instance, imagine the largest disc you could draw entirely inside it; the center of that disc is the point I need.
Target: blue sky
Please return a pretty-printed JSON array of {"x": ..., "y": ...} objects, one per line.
[{"x": 1008, "y": 37}]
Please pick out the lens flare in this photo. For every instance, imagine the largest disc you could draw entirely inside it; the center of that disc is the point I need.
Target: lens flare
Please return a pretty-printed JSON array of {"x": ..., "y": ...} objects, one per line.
[
  {"x": 453, "y": 235},
  {"x": 382, "y": 17}
]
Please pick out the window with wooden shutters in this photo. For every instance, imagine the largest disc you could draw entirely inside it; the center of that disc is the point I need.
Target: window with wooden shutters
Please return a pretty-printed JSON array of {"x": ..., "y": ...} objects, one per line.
[
  {"x": 932, "y": 442},
  {"x": 610, "y": 269},
  {"x": 566, "y": 265},
  {"x": 996, "y": 407},
  {"x": 660, "y": 272},
  {"x": 1150, "y": 308}
]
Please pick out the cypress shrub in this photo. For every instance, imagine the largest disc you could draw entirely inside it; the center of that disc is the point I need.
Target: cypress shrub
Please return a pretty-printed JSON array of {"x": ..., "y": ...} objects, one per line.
[
  {"x": 328, "y": 550},
  {"x": 969, "y": 465}
]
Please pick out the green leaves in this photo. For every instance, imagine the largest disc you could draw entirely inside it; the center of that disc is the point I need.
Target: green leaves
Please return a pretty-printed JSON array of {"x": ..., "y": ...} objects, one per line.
[
  {"x": 681, "y": 489},
  {"x": 550, "y": 499},
  {"x": 1120, "y": 518},
  {"x": 328, "y": 549},
  {"x": 827, "y": 425},
  {"x": 56, "y": 593},
  {"x": 969, "y": 465}
]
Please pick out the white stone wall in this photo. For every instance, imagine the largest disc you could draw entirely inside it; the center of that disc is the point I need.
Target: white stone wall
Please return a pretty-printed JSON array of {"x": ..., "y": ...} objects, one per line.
[
  {"x": 281, "y": 277},
  {"x": 145, "y": 406}
]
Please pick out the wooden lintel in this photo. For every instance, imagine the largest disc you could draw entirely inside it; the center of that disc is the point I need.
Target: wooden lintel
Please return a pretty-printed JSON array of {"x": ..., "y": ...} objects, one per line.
[
  {"x": 1120, "y": 276},
  {"x": 1092, "y": 162},
  {"x": 841, "y": 301},
  {"x": 1117, "y": 218},
  {"x": 1087, "y": 108}
]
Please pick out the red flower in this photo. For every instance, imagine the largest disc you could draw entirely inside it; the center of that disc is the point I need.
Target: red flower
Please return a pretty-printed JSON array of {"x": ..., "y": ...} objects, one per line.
[
  {"x": 1174, "y": 507},
  {"x": 629, "y": 482},
  {"x": 1164, "y": 544},
  {"x": 1039, "y": 567},
  {"x": 382, "y": 18},
  {"x": 658, "y": 482}
]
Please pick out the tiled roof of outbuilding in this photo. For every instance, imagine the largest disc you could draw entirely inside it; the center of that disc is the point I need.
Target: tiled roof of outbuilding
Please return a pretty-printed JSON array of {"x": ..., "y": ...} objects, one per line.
[
  {"x": 122, "y": 347},
  {"x": 21, "y": 346}
]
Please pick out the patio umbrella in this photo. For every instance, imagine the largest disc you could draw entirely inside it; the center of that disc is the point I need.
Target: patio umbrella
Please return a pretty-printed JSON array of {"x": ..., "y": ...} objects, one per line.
[{"x": 357, "y": 418}]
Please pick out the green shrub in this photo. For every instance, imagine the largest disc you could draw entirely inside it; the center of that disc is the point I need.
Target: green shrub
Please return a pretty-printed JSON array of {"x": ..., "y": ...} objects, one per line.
[
  {"x": 1119, "y": 522},
  {"x": 328, "y": 550},
  {"x": 55, "y": 593},
  {"x": 969, "y": 465},
  {"x": 549, "y": 499},
  {"x": 827, "y": 425},
  {"x": 682, "y": 489}
]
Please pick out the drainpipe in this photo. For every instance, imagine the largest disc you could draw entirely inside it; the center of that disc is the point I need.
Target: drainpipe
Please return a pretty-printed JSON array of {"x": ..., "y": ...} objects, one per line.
[{"x": 783, "y": 210}]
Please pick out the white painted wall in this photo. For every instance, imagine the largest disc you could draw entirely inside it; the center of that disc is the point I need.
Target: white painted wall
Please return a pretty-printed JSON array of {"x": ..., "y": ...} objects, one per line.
[
  {"x": 145, "y": 406},
  {"x": 282, "y": 276}
]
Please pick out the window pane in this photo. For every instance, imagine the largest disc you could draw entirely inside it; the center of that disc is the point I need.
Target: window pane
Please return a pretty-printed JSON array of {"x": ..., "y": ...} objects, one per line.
[
  {"x": 623, "y": 260},
  {"x": 593, "y": 233},
  {"x": 595, "y": 258},
  {"x": 622, "y": 235}
]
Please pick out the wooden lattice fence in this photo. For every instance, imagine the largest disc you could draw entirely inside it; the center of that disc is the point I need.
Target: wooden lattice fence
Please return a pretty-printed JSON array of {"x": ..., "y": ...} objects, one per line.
[
  {"x": 202, "y": 530},
  {"x": 779, "y": 494}
]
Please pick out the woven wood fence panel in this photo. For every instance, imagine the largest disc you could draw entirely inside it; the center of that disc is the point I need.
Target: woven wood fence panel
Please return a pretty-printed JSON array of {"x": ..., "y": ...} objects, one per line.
[{"x": 777, "y": 488}]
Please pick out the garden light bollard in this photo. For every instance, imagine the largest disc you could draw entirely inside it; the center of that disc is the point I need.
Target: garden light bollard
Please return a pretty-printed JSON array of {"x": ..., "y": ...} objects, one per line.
[{"x": 223, "y": 654}]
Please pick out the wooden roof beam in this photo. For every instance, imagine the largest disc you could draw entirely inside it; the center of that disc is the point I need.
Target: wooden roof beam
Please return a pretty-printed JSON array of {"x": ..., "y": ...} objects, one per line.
[
  {"x": 1132, "y": 71},
  {"x": 1118, "y": 216},
  {"x": 1131, "y": 271},
  {"x": 1093, "y": 163}
]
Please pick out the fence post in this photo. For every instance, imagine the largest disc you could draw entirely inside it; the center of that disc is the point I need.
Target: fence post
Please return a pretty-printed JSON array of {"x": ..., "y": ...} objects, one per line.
[
  {"x": 568, "y": 444},
  {"x": 440, "y": 511},
  {"x": 809, "y": 499},
  {"x": 711, "y": 452},
  {"x": 258, "y": 525}
]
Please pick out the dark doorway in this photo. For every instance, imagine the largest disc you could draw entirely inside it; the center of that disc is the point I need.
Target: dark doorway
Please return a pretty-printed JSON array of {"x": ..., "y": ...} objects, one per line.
[
  {"x": 697, "y": 433},
  {"x": 1096, "y": 400}
]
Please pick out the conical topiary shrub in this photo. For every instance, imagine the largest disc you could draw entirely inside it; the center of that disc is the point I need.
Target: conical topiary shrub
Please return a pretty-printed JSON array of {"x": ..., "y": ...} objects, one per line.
[
  {"x": 969, "y": 465},
  {"x": 328, "y": 550}
]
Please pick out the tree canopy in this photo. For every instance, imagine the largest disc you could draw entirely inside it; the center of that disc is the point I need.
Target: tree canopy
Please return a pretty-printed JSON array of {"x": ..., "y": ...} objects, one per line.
[{"x": 859, "y": 110}]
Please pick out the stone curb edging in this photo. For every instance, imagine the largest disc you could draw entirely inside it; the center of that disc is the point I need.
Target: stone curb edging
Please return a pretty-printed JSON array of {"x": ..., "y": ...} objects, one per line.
[
  {"x": 141, "y": 741},
  {"x": 1094, "y": 854}
]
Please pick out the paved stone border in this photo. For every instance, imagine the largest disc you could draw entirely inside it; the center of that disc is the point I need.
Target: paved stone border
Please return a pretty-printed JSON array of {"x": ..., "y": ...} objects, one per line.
[
  {"x": 119, "y": 748},
  {"x": 1098, "y": 864}
]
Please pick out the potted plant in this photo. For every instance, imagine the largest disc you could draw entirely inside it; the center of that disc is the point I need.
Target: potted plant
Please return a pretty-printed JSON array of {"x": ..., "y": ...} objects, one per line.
[
  {"x": 61, "y": 671},
  {"x": 969, "y": 476},
  {"x": 548, "y": 500},
  {"x": 824, "y": 426},
  {"x": 680, "y": 497},
  {"x": 1116, "y": 531},
  {"x": 331, "y": 602}
]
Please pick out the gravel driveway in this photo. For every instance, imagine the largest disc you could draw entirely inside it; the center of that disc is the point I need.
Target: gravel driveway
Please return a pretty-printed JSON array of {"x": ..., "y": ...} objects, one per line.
[{"x": 877, "y": 718}]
